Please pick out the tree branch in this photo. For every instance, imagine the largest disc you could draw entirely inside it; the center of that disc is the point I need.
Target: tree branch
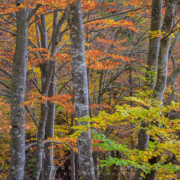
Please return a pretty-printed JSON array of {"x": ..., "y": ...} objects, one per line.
[
  {"x": 8, "y": 31},
  {"x": 32, "y": 116},
  {"x": 33, "y": 12},
  {"x": 111, "y": 15},
  {"x": 6, "y": 72},
  {"x": 1, "y": 94},
  {"x": 35, "y": 84},
  {"x": 45, "y": 142},
  {"x": 4, "y": 84}
]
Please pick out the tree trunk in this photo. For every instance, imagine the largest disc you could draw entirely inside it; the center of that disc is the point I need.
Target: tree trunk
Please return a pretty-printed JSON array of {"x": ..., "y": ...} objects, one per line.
[
  {"x": 49, "y": 71},
  {"x": 156, "y": 19},
  {"x": 17, "y": 147},
  {"x": 73, "y": 166},
  {"x": 164, "y": 50},
  {"x": 79, "y": 73},
  {"x": 162, "y": 68},
  {"x": 48, "y": 166},
  {"x": 96, "y": 167}
]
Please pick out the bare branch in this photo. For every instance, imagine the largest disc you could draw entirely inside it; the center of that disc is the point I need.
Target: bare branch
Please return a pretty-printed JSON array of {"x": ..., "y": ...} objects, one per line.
[
  {"x": 45, "y": 142},
  {"x": 6, "y": 72},
  {"x": 33, "y": 12},
  {"x": 37, "y": 86},
  {"x": 8, "y": 31},
  {"x": 4, "y": 84},
  {"x": 1, "y": 94},
  {"x": 32, "y": 116},
  {"x": 104, "y": 17},
  {"x": 8, "y": 20},
  {"x": 63, "y": 44}
]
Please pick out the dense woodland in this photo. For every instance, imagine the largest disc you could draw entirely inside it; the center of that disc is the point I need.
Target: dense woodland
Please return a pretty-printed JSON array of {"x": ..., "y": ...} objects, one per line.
[{"x": 89, "y": 89}]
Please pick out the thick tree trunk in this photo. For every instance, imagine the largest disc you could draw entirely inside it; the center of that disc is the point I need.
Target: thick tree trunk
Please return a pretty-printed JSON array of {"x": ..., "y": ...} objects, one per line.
[
  {"x": 17, "y": 149},
  {"x": 156, "y": 19},
  {"x": 79, "y": 72}
]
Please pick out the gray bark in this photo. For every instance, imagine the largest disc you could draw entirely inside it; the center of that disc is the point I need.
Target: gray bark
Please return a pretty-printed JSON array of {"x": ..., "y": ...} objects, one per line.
[
  {"x": 164, "y": 50},
  {"x": 49, "y": 70},
  {"x": 171, "y": 51},
  {"x": 48, "y": 166},
  {"x": 143, "y": 142},
  {"x": 171, "y": 78},
  {"x": 162, "y": 67},
  {"x": 17, "y": 147},
  {"x": 73, "y": 167},
  {"x": 156, "y": 19},
  {"x": 79, "y": 73},
  {"x": 96, "y": 167}
]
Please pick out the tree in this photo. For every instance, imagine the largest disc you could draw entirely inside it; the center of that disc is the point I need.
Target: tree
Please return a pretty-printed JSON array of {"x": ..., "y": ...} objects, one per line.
[
  {"x": 16, "y": 170},
  {"x": 79, "y": 74}
]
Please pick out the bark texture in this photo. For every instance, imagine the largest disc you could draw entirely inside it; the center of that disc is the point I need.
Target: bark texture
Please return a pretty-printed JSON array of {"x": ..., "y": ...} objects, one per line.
[
  {"x": 48, "y": 166},
  {"x": 17, "y": 149},
  {"x": 79, "y": 73},
  {"x": 156, "y": 19},
  {"x": 164, "y": 50}
]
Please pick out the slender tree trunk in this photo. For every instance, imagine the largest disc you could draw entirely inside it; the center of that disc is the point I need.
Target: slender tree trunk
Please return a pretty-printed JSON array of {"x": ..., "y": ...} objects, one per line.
[
  {"x": 50, "y": 65},
  {"x": 171, "y": 78},
  {"x": 49, "y": 71},
  {"x": 162, "y": 67},
  {"x": 100, "y": 95},
  {"x": 156, "y": 19},
  {"x": 76, "y": 167},
  {"x": 171, "y": 51},
  {"x": 96, "y": 167},
  {"x": 73, "y": 167},
  {"x": 17, "y": 147},
  {"x": 79, "y": 72},
  {"x": 164, "y": 50},
  {"x": 48, "y": 166}
]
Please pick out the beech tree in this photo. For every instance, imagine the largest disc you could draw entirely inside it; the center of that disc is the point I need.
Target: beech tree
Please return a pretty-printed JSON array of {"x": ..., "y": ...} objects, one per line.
[
  {"x": 79, "y": 74},
  {"x": 17, "y": 94},
  {"x": 17, "y": 97}
]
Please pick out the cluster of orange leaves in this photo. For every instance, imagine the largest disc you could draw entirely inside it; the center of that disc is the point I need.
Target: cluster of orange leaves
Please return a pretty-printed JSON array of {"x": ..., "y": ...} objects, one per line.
[{"x": 36, "y": 97}]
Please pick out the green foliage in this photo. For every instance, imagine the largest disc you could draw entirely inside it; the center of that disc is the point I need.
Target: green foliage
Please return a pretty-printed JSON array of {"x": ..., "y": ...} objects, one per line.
[{"x": 149, "y": 111}]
